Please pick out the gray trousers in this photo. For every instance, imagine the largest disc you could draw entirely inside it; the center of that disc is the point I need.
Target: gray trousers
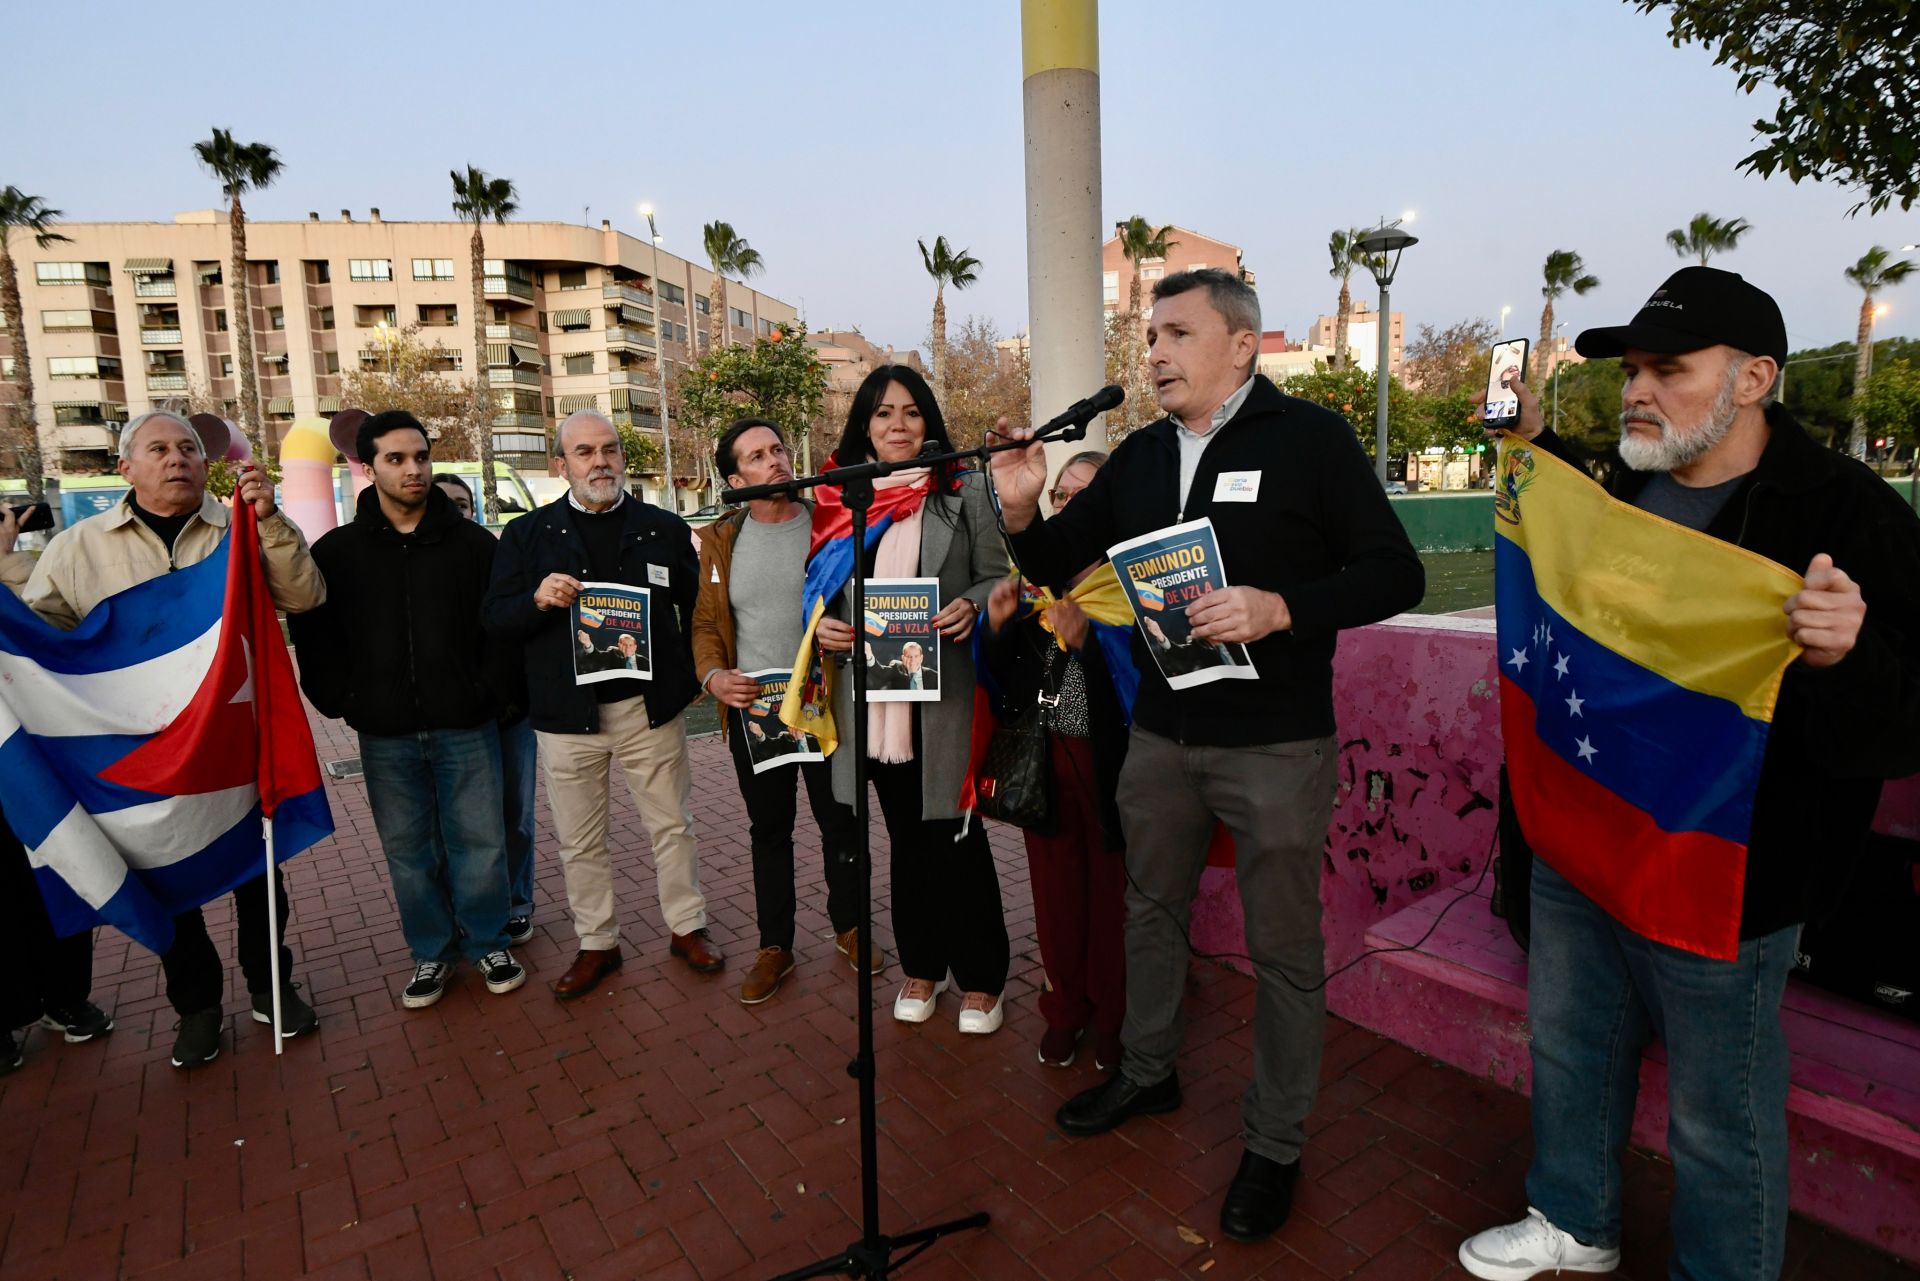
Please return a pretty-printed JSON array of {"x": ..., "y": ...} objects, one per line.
[{"x": 1276, "y": 799}]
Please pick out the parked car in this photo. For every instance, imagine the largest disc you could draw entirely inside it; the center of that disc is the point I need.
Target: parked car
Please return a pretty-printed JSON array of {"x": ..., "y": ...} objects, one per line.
[{"x": 1396, "y": 487}]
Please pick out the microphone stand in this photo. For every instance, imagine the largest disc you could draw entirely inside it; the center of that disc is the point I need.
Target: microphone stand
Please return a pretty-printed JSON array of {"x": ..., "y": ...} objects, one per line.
[{"x": 872, "y": 1255}]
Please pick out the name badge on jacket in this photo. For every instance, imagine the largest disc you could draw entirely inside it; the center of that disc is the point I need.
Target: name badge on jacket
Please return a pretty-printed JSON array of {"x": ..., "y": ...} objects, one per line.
[
  {"x": 657, "y": 575},
  {"x": 1237, "y": 487}
]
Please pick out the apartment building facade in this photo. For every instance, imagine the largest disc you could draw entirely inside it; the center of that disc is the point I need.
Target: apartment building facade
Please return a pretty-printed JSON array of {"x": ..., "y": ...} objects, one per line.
[
  {"x": 1186, "y": 250},
  {"x": 1363, "y": 337},
  {"x": 125, "y": 317}
]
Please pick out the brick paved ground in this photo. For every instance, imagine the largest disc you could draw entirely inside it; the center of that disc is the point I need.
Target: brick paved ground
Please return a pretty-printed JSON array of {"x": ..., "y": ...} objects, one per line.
[{"x": 659, "y": 1129}]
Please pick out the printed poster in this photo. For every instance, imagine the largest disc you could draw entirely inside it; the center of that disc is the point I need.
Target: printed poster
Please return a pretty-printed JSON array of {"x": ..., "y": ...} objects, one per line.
[
  {"x": 902, "y": 650},
  {"x": 770, "y": 743},
  {"x": 1164, "y": 573},
  {"x": 611, "y": 637}
]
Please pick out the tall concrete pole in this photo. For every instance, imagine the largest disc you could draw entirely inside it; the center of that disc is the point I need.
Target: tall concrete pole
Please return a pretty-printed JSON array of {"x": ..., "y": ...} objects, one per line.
[{"x": 1060, "y": 43}]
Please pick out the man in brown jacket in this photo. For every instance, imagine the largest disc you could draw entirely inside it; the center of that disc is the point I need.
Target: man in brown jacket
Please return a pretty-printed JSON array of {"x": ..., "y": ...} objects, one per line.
[
  {"x": 167, "y": 522},
  {"x": 747, "y": 620}
]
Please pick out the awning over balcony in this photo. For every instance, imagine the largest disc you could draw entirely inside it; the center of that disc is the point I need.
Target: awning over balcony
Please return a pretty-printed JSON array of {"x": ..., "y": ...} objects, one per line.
[
  {"x": 634, "y": 315},
  {"x": 77, "y": 404},
  {"x": 280, "y": 405},
  {"x": 525, "y": 355},
  {"x": 329, "y": 404},
  {"x": 569, "y": 404},
  {"x": 500, "y": 353},
  {"x": 582, "y": 318},
  {"x": 149, "y": 267}
]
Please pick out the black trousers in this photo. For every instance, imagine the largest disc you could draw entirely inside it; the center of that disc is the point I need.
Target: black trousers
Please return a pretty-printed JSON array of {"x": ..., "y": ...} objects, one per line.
[
  {"x": 772, "y": 803},
  {"x": 197, "y": 977},
  {"x": 52, "y": 973},
  {"x": 946, "y": 893}
]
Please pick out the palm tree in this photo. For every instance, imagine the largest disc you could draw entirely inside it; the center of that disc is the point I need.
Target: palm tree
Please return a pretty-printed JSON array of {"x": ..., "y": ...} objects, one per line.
[
  {"x": 1563, "y": 271},
  {"x": 1707, "y": 236},
  {"x": 17, "y": 209},
  {"x": 1872, "y": 273},
  {"x": 477, "y": 198},
  {"x": 947, "y": 266},
  {"x": 726, "y": 252},
  {"x": 1343, "y": 247},
  {"x": 1139, "y": 242},
  {"x": 241, "y": 167}
]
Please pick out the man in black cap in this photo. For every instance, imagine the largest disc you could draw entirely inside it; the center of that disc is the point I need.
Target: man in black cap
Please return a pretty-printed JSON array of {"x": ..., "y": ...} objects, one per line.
[{"x": 1705, "y": 446}]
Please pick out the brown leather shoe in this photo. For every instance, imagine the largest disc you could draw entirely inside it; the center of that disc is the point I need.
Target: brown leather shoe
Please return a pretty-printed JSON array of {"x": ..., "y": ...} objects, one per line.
[
  {"x": 848, "y": 941},
  {"x": 763, "y": 980},
  {"x": 698, "y": 951},
  {"x": 585, "y": 973}
]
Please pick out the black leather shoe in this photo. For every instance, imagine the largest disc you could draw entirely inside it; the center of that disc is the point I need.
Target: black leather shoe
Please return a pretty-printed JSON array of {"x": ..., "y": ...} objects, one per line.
[
  {"x": 1259, "y": 1198},
  {"x": 1105, "y": 1106}
]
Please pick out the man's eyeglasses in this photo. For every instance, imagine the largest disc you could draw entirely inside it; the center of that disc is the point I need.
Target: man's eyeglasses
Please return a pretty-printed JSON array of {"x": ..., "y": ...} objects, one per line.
[{"x": 1062, "y": 496}]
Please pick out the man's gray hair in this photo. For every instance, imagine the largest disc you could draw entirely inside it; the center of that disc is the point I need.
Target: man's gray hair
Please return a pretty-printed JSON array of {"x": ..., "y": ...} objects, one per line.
[
  {"x": 578, "y": 415},
  {"x": 132, "y": 432},
  {"x": 1231, "y": 296}
]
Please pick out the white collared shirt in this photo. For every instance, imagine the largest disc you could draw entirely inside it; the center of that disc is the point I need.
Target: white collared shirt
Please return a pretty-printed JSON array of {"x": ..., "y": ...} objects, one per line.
[
  {"x": 1193, "y": 444},
  {"x": 582, "y": 507}
]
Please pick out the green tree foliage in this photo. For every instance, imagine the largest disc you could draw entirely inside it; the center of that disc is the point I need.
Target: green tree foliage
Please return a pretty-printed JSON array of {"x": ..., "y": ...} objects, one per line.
[
  {"x": 641, "y": 450},
  {"x": 777, "y": 377},
  {"x": 1351, "y": 392},
  {"x": 1440, "y": 362},
  {"x": 1891, "y": 402},
  {"x": 1848, "y": 74},
  {"x": 418, "y": 377},
  {"x": 1820, "y": 382},
  {"x": 1589, "y": 403},
  {"x": 1704, "y": 236}
]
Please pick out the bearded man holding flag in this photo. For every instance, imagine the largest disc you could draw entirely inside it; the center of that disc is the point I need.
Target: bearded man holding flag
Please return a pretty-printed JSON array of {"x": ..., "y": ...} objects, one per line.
[{"x": 143, "y": 748}]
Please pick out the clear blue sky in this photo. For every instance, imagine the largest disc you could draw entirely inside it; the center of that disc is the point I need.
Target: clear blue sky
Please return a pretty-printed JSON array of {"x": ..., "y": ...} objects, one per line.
[{"x": 834, "y": 135}]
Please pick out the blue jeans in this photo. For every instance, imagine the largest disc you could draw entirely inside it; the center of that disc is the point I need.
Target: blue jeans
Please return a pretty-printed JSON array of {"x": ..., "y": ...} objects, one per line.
[
  {"x": 1596, "y": 993},
  {"x": 436, "y": 804},
  {"x": 519, "y": 764}
]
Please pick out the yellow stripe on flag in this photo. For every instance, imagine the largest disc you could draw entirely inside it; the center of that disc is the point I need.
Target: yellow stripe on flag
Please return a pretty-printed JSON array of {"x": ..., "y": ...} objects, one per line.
[
  {"x": 810, "y": 718},
  {"x": 1678, "y": 602},
  {"x": 1099, "y": 595}
]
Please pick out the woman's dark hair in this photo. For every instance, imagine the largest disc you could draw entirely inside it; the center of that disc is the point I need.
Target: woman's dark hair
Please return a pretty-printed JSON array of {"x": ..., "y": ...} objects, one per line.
[
  {"x": 854, "y": 445},
  {"x": 723, "y": 461}
]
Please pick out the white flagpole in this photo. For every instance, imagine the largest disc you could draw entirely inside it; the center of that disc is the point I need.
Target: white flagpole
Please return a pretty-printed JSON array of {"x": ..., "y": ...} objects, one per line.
[{"x": 273, "y": 932}]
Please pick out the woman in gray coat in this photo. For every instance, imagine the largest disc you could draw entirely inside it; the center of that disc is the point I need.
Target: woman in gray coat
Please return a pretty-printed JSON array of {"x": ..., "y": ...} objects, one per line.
[{"x": 947, "y": 918}]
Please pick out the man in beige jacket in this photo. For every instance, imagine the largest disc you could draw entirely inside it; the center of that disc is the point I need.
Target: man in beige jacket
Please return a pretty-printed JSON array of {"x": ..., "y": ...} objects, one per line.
[{"x": 166, "y": 523}]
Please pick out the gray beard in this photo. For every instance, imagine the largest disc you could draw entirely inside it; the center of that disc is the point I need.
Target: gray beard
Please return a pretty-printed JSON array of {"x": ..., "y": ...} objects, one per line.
[{"x": 1679, "y": 447}]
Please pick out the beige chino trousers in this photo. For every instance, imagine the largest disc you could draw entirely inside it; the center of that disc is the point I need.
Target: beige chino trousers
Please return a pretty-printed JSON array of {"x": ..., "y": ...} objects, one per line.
[{"x": 661, "y": 780}]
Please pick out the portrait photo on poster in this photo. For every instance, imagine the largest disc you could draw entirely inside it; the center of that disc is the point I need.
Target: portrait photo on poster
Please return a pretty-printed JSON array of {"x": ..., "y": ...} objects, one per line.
[
  {"x": 901, "y": 647},
  {"x": 611, "y": 637},
  {"x": 1163, "y": 573},
  {"x": 770, "y": 742}
]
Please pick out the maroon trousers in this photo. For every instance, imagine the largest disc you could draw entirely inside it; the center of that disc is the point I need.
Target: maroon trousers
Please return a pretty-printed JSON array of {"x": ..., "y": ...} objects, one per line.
[{"x": 1079, "y": 894}]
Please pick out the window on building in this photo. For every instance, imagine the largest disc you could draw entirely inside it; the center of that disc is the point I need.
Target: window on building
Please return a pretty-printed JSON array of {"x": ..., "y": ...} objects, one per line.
[
  {"x": 573, "y": 277},
  {"x": 78, "y": 415},
  {"x": 701, "y": 304},
  {"x": 370, "y": 269},
  {"x": 220, "y": 320},
  {"x": 208, "y": 274},
  {"x": 73, "y": 273},
  {"x": 329, "y": 362},
  {"x": 673, "y": 293},
  {"x": 226, "y": 366},
  {"x": 1110, "y": 287},
  {"x": 372, "y": 317},
  {"x": 277, "y": 317},
  {"x": 9, "y": 367},
  {"x": 73, "y": 367},
  {"x": 326, "y": 318},
  {"x": 740, "y": 319},
  {"x": 1152, "y": 273},
  {"x": 319, "y": 271},
  {"x": 66, "y": 322},
  {"x": 269, "y": 272},
  {"x": 433, "y": 269},
  {"x": 766, "y": 327},
  {"x": 580, "y": 363},
  {"x": 437, "y": 315}
]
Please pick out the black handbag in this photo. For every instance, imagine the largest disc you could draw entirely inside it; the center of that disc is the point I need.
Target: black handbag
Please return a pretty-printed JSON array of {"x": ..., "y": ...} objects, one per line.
[{"x": 1015, "y": 783}]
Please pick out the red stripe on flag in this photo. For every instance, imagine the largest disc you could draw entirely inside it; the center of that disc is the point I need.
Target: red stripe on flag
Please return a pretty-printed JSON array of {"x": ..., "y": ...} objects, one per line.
[{"x": 1678, "y": 888}]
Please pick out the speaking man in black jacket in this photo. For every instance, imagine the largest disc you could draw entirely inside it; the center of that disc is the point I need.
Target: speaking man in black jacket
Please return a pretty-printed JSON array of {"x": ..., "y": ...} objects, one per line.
[
  {"x": 597, "y": 532},
  {"x": 398, "y": 652},
  {"x": 1310, "y": 545},
  {"x": 1704, "y": 446}
]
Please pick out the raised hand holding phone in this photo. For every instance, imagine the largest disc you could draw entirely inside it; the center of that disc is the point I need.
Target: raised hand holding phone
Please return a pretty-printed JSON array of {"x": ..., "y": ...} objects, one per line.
[{"x": 1506, "y": 366}]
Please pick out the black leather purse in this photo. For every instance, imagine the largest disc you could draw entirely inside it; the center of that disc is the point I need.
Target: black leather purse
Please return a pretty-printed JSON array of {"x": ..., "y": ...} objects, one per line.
[{"x": 1015, "y": 784}]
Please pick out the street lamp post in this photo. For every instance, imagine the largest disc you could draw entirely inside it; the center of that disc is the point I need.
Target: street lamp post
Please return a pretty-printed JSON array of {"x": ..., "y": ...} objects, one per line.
[
  {"x": 1503, "y": 318},
  {"x": 1383, "y": 249},
  {"x": 660, "y": 360}
]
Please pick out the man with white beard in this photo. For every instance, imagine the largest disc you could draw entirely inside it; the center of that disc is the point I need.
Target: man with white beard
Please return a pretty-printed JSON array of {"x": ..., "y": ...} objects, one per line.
[{"x": 1705, "y": 447}]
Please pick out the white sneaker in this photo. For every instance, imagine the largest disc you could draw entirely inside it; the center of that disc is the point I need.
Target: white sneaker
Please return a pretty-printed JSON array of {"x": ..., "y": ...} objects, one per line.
[
  {"x": 1529, "y": 1248},
  {"x": 979, "y": 1017},
  {"x": 916, "y": 999}
]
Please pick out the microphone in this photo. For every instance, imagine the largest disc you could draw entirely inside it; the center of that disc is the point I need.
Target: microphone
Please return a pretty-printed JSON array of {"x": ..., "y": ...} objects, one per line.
[{"x": 1080, "y": 413}]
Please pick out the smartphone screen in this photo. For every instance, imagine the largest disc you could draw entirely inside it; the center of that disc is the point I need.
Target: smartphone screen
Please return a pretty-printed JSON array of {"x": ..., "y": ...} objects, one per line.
[
  {"x": 1509, "y": 363},
  {"x": 34, "y": 516}
]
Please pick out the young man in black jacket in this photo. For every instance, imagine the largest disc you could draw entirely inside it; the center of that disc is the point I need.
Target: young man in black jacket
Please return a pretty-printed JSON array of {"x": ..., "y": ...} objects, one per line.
[
  {"x": 1310, "y": 545},
  {"x": 1703, "y": 446},
  {"x": 597, "y": 532},
  {"x": 397, "y": 651}
]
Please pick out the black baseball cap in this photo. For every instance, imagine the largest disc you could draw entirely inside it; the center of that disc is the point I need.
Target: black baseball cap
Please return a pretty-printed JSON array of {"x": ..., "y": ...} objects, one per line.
[{"x": 1697, "y": 307}]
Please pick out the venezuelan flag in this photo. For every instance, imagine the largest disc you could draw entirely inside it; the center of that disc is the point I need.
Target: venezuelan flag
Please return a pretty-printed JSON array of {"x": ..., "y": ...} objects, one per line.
[
  {"x": 876, "y": 625},
  {"x": 591, "y": 617},
  {"x": 1639, "y": 666},
  {"x": 1149, "y": 594}
]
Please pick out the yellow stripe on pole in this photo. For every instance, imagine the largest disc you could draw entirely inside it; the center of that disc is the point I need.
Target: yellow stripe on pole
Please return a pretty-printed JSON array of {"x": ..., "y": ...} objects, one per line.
[{"x": 1056, "y": 34}]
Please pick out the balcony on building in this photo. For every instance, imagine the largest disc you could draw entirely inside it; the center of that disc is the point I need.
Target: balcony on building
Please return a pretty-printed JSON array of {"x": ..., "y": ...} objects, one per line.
[
  {"x": 508, "y": 280},
  {"x": 517, "y": 420},
  {"x": 630, "y": 336},
  {"x": 438, "y": 315},
  {"x": 513, "y": 332},
  {"x": 511, "y": 355},
  {"x": 152, "y": 277},
  {"x": 159, "y": 326},
  {"x": 517, "y": 376},
  {"x": 622, "y": 293}
]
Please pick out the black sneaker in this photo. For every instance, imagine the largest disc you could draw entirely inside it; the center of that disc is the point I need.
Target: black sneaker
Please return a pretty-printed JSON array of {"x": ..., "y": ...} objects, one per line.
[
  {"x": 296, "y": 1016},
  {"x": 502, "y": 972},
  {"x": 198, "y": 1039},
  {"x": 519, "y": 929},
  {"x": 80, "y": 1024},
  {"x": 429, "y": 981},
  {"x": 13, "y": 1051}
]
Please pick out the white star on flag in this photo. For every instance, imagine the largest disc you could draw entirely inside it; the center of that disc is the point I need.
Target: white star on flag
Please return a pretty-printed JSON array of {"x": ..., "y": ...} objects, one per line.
[
  {"x": 1574, "y": 704},
  {"x": 1587, "y": 750},
  {"x": 1560, "y": 667},
  {"x": 1519, "y": 660}
]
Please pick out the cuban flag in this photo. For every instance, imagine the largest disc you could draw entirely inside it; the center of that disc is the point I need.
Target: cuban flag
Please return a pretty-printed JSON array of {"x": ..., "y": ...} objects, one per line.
[
  {"x": 145, "y": 751},
  {"x": 1640, "y": 662}
]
